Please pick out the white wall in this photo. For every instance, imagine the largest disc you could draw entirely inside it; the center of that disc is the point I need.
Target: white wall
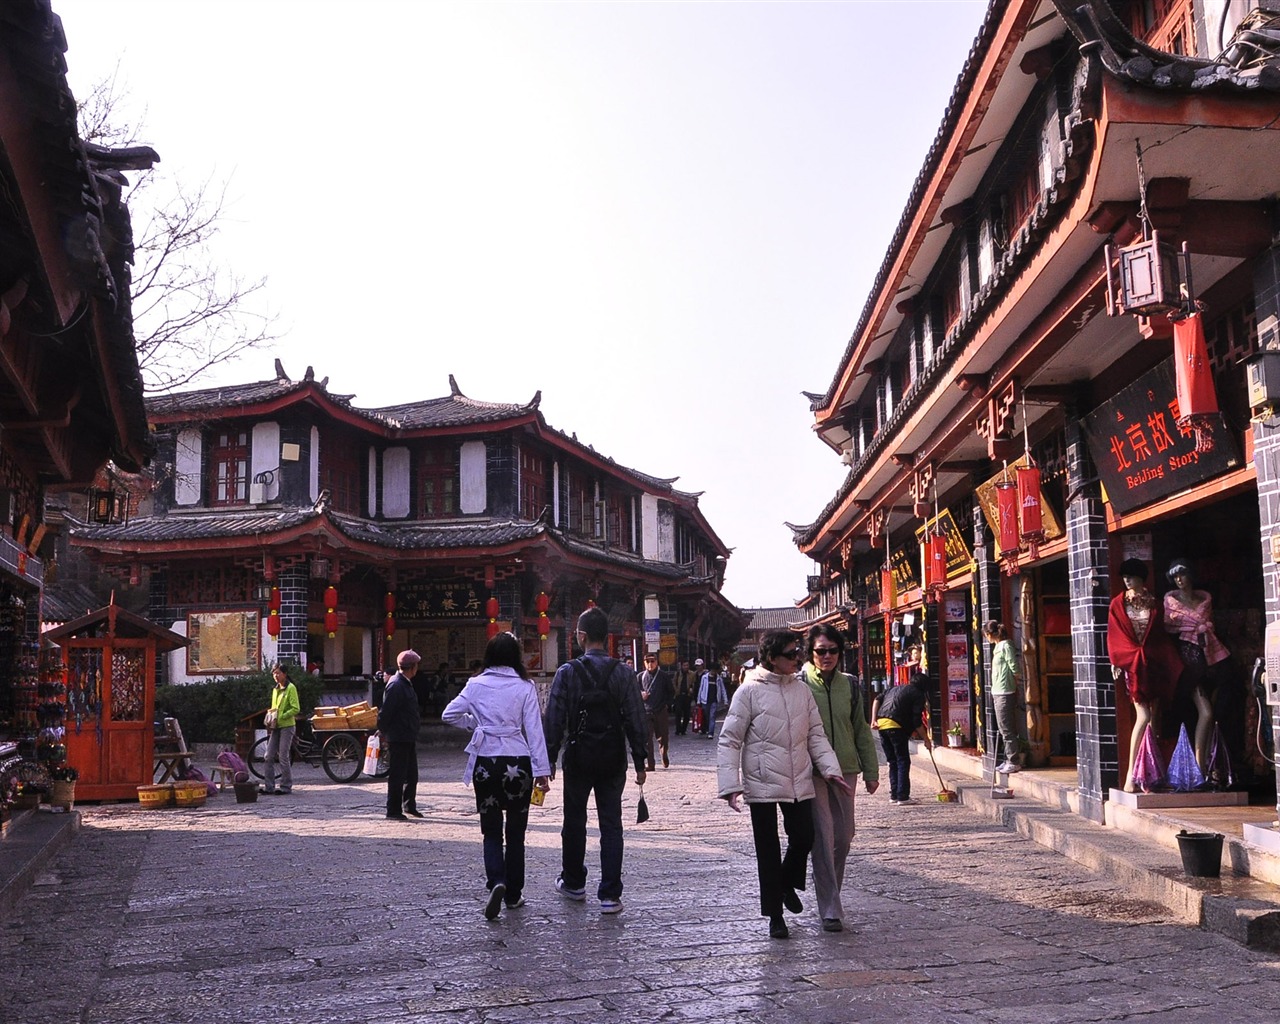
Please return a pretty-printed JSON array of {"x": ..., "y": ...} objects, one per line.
[
  {"x": 186, "y": 467},
  {"x": 395, "y": 483},
  {"x": 315, "y": 463},
  {"x": 473, "y": 491},
  {"x": 265, "y": 455},
  {"x": 649, "y": 525}
]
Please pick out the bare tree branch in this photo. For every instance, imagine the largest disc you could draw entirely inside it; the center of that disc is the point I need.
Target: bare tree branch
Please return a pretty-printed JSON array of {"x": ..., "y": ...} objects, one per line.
[{"x": 191, "y": 313}]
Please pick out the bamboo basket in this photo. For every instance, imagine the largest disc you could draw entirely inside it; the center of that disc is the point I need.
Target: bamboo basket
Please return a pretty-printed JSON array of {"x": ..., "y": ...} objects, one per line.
[
  {"x": 153, "y": 798},
  {"x": 190, "y": 794}
]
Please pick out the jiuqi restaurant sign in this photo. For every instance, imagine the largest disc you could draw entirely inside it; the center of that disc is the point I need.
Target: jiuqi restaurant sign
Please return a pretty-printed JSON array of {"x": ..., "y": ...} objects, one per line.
[{"x": 1141, "y": 453}]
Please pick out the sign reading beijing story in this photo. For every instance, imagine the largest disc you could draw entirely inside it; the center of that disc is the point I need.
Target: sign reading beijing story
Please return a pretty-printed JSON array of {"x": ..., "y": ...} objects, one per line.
[{"x": 1141, "y": 453}]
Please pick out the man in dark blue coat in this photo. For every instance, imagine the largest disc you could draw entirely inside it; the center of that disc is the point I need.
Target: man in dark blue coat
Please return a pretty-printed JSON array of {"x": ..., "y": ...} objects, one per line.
[{"x": 398, "y": 724}]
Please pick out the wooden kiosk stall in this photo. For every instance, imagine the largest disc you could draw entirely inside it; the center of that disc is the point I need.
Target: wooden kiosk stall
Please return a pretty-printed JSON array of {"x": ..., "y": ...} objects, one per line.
[{"x": 108, "y": 665}]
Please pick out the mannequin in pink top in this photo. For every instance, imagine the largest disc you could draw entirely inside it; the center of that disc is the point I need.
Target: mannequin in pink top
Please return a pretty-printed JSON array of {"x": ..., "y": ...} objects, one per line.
[{"x": 1188, "y": 617}]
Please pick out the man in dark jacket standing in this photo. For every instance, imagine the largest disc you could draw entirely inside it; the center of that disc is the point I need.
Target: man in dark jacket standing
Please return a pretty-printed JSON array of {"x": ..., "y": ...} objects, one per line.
[
  {"x": 655, "y": 692},
  {"x": 398, "y": 724},
  {"x": 595, "y": 710}
]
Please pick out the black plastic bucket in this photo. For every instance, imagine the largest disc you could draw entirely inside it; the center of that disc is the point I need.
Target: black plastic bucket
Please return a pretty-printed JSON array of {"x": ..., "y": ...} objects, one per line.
[{"x": 1201, "y": 853}]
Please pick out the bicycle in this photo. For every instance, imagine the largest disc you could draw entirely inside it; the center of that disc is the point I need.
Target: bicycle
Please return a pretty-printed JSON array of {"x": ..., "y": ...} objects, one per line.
[{"x": 340, "y": 752}]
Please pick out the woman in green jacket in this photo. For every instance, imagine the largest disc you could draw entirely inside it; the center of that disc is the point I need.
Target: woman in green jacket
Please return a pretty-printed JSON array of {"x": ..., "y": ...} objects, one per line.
[
  {"x": 846, "y": 726},
  {"x": 284, "y": 702}
]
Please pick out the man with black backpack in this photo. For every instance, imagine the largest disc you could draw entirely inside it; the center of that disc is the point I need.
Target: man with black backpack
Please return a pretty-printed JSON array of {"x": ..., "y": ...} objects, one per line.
[{"x": 595, "y": 710}]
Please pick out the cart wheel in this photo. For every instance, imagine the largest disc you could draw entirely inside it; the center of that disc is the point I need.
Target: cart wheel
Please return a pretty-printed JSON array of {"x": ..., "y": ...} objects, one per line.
[
  {"x": 258, "y": 758},
  {"x": 342, "y": 757}
]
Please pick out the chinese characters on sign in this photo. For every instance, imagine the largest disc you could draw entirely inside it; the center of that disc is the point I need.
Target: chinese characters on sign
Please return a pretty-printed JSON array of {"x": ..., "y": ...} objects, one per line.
[
  {"x": 1141, "y": 453},
  {"x": 447, "y": 599}
]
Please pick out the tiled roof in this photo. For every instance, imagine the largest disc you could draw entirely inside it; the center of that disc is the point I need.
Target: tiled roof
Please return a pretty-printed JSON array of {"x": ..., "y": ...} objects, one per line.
[
  {"x": 450, "y": 411},
  {"x": 229, "y": 397},
  {"x": 62, "y": 602},
  {"x": 201, "y": 526},
  {"x": 417, "y": 534},
  {"x": 621, "y": 558},
  {"x": 765, "y": 619}
]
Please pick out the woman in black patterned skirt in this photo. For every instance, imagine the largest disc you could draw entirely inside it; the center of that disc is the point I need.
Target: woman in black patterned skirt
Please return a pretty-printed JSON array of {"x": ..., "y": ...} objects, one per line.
[{"x": 507, "y": 759}]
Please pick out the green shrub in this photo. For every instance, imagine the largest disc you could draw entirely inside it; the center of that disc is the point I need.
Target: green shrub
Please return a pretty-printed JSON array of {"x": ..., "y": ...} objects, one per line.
[{"x": 209, "y": 712}]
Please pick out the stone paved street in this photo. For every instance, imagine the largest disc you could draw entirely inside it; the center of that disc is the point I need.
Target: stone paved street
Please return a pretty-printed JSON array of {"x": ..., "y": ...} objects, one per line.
[{"x": 314, "y": 908}]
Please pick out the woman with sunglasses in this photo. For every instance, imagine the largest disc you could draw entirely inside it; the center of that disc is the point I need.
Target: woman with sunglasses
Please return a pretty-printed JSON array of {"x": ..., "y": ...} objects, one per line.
[
  {"x": 845, "y": 723},
  {"x": 770, "y": 743}
]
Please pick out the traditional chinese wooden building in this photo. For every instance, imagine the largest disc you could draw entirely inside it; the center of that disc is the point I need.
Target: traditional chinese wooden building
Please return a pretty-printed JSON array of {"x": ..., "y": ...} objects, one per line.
[
  {"x": 70, "y": 388},
  {"x": 1025, "y": 315},
  {"x": 288, "y": 523}
]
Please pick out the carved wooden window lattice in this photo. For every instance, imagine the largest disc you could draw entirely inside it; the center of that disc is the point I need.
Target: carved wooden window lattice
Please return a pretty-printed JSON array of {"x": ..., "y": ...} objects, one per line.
[
  {"x": 229, "y": 468},
  {"x": 438, "y": 481},
  {"x": 128, "y": 684},
  {"x": 211, "y": 586},
  {"x": 533, "y": 484},
  {"x": 341, "y": 471}
]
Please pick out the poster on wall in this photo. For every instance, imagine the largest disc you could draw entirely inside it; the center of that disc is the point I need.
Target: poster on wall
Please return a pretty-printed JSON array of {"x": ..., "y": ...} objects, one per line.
[{"x": 222, "y": 643}]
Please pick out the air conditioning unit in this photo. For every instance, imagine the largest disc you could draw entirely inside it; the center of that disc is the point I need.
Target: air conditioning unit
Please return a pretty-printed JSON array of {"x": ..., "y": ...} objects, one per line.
[{"x": 257, "y": 494}]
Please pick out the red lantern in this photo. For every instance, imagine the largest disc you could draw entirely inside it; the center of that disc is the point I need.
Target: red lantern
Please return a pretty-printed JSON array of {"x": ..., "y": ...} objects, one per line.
[
  {"x": 1007, "y": 516},
  {"x": 331, "y": 623},
  {"x": 389, "y": 627},
  {"x": 389, "y": 603},
  {"x": 1197, "y": 398},
  {"x": 273, "y": 624},
  {"x": 542, "y": 603},
  {"x": 491, "y": 608},
  {"x": 492, "y": 628},
  {"x": 331, "y": 597},
  {"x": 273, "y": 603},
  {"x": 544, "y": 626},
  {"x": 935, "y": 562},
  {"x": 1031, "y": 519},
  {"x": 888, "y": 589}
]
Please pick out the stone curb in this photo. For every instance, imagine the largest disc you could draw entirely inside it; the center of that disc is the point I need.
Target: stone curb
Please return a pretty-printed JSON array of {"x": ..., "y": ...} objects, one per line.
[{"x": 34, "y": 839}]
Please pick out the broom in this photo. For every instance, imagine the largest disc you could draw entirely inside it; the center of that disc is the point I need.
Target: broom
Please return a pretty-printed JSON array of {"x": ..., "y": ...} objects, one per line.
[{"x": 946, "y": 796}]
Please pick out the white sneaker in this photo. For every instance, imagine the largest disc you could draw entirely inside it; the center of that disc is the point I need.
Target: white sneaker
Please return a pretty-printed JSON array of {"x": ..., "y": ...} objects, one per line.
[
  {"x": 611, "y": 906},
  {"x": 570, "y": 894},
  {"x": 908, "y": 800}
]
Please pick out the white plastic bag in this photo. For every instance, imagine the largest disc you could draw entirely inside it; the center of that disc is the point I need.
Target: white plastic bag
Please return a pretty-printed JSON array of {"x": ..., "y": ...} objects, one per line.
[{"x": 371, "y": 751}]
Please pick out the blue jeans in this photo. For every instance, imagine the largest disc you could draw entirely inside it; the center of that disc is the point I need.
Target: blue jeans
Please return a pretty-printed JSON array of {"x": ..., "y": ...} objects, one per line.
[
  {"x": 279, "y": 748},
  {"x": 608, "y": 788},
  {"x": 499, "y": 866},
  {"x": 898, "y": 754},
  {"x": 709, "y": 718}
]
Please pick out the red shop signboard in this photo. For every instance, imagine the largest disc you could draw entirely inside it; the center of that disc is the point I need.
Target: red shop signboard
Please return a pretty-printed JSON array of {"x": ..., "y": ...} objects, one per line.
[{"x": 1141, "y": 453}]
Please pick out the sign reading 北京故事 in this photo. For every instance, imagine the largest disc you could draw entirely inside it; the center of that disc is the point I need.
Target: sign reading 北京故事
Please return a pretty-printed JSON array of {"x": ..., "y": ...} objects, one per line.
[{"x": 1141, "y": 453}]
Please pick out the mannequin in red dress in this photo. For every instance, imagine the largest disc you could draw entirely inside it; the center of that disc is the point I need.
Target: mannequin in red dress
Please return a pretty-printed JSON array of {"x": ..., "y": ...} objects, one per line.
[{"x": 1142, "y": 654}]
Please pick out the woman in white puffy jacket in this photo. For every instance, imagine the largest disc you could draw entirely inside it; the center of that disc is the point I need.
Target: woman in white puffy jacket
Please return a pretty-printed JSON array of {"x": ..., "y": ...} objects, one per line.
[{"x": 771, "y": 743}]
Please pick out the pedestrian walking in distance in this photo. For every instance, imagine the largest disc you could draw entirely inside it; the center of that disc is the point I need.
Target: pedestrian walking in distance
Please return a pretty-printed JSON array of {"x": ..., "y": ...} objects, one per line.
[
  {"x": 845, "y": 723},
  {"x": 398, "y": 723},
  {"x": 771, "y": 744},
  {"x": 657, "y": 697},
  {"x": 507, "y": 758},
  {"x": 594, "y": 710},
  {"x": 711, "y": 696}
]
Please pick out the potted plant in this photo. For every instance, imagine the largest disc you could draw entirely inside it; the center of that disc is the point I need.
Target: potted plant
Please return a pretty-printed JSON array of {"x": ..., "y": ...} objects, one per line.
[{"x": 955, "y": 735}]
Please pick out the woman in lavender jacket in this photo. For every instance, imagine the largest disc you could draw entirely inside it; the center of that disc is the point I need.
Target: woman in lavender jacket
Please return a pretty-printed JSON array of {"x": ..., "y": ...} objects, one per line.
[{"x": 507, "y": 759}]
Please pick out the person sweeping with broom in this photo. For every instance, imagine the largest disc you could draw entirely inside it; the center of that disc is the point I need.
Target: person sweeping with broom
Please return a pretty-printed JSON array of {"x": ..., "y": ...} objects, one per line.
[{"x": 899, "y": 714}]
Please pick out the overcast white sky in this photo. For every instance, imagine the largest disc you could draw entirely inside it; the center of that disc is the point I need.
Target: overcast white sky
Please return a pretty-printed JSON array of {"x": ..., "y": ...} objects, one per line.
[{"x": 666, "y": 216}]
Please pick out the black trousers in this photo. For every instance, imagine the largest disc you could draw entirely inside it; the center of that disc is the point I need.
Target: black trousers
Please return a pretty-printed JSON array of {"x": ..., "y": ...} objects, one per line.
[
  {"x": 778, "y": 871},
  {"x": 402, "y": 776}
]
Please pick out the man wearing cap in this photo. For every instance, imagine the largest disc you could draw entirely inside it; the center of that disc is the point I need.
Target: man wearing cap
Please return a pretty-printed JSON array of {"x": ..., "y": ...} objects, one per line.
[{"x": 655, "y": 692}]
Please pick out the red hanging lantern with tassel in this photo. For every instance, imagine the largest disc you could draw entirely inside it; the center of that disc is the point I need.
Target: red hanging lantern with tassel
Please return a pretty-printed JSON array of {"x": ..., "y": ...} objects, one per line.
[
  {"x": 331, "y": 597},
  {"x": 1030, "y": 511},
  {"x": 273, "y": 602},
  {"x": 1197, "y": 397},
  {"x": 1007, "y": 516},
  {"x": 389, "y": 603},
  {"x": 273, "y": 623},
  {"x": 888, "y": 589},
  {"x": 331, "y": 611},
  {"x": 389, "y": 626},
  {"x": 935, "y": 562}
]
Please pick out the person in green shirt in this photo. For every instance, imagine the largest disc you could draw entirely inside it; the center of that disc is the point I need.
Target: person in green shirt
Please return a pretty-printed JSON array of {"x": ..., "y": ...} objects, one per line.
[
  {"x": 845, "y": 723},
  {"x": 1004, "y": 694},
  {"x": 284, "y": 702}
]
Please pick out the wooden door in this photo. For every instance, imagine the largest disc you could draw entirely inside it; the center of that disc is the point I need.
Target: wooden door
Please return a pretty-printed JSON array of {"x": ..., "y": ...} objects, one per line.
[{"x": 110, "y": 707}]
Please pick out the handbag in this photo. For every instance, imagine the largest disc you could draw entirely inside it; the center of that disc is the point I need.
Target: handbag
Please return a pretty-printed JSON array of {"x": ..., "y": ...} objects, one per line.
[{"x": 270, "y": 719}]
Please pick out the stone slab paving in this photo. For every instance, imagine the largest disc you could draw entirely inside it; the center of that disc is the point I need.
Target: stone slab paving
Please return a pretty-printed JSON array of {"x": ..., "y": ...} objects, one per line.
[{"x": 314, "y": 908}]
